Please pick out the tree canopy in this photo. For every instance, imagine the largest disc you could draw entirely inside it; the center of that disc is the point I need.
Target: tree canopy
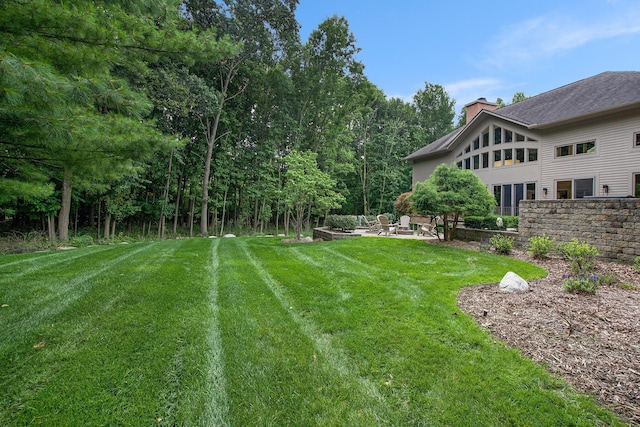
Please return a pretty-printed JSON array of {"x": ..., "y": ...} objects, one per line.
[{"x": 141, "y": 113}]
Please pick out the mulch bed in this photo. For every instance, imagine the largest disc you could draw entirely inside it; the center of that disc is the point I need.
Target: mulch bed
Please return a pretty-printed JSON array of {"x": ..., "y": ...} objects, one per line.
[{"x": 593, "y": 341}]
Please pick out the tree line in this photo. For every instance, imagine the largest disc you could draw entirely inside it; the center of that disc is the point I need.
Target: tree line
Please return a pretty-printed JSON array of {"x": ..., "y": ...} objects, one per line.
[{"x": 198, "y": 116}]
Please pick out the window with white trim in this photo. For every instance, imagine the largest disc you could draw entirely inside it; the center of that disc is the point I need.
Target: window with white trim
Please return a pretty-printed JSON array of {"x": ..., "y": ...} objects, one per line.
[{"x": 577, "y": 149}]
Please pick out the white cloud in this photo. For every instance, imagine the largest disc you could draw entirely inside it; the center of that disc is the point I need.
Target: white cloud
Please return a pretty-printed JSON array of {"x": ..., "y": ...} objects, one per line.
[{"x": 544, "y": 36}]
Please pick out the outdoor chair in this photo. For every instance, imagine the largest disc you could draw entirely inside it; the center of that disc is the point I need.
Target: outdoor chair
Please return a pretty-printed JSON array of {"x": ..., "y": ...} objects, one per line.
[
  {"x": 386, "y": 226},
  {"x": 404, "y": 222},
  {"x": 373, "y": 226}
]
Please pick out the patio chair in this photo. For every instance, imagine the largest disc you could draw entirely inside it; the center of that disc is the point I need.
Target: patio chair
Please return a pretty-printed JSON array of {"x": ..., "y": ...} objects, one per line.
[
  {"x": 404, "y": 222},
  {"x": 373, "y": 226},
  {"x": 386, "y": 226}
]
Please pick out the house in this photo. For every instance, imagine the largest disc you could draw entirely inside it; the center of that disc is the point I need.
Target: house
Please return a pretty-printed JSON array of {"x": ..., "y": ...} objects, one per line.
[{"x": 579, "y": 140}]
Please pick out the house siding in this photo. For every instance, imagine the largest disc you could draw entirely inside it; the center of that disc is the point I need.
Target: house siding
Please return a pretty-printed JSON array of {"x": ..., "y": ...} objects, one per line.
[
  {"x": 506, "y": 174},
  {"x": 613, "y": 162}
]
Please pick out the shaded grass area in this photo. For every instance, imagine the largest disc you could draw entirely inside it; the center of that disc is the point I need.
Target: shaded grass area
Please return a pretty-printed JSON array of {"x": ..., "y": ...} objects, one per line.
[{"x": 256, "y": 332}]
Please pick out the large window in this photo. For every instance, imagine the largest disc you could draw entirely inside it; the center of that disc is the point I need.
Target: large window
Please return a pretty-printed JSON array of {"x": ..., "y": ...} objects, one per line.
[
  {"x": 476, "y": 162},
  {"x": 485, "y": 139},
  {"x": 576, "y": 149},
  {"x": 485, "y": 160},
  {"x": 508, "y": 157},
  {"x": 531, "y": 191},
  {"x": 564, "y": 150},
  {"x": 497, "y": 136},
  {"x": 497, "y": 158},
  {"x": 564, "y": 190},
  {"x": 636, "y": 185},
  {"x": 519, "y": 155},
  {"x": 508, "y": 196},
  {"x": 533, "y": 154},
  {"x": 579, "y": 187},
  {"x": 584, "y": 187}
]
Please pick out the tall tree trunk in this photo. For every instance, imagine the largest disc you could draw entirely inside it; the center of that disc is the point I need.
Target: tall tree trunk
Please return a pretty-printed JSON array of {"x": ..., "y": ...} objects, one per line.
[
  {"x": 99, "y": 219},
  {"x": 192, "y": 208},
  {"x": 65, "y": 207},
  {"x": 176, "y": 211},
  {"x": 51, "y": 227},
  {"x": 286, "y": 222},
  {"x": 107, "y": 225},
  {"x": 224, "y": 209},
  {"x": 113, "y": 228},
  {"x": 165, "y": 199},
  {"x": 211, "y": 135}
]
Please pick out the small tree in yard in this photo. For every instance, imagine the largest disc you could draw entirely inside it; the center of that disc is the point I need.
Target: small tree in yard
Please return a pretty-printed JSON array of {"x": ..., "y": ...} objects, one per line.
[
  {"x": 307, "y": 187},
  {"x": 451, "y": 192}
]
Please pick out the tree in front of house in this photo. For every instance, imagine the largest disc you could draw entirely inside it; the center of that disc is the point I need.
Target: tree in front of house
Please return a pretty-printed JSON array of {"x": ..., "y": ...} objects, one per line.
[
  {"x": 450, "y": 193},
  {"x": 307, "y": 188}
]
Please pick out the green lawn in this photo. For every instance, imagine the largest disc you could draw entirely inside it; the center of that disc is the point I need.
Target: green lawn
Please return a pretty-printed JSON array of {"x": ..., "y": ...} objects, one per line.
[{"x": 255, "y": 332}]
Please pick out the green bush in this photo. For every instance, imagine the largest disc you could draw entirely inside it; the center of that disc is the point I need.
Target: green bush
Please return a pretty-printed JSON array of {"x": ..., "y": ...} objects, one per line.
[
  {"x": 540, "y": 246},
  {"x": 608, "y": 278},
  {"x": 489, "y": 222},
  {"x": 83, "y": 240},
  {"x": 636, "y": 264},
  {"x": 581, "y": 283},
  {"x": 581, "y": 256},
  {"x": 502, "y": 244},
  {"x": 341, "y": 222}
]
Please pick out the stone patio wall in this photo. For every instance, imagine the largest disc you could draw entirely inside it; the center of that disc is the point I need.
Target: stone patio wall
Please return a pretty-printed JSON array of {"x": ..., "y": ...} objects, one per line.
[{"x": 611, "y": 225}]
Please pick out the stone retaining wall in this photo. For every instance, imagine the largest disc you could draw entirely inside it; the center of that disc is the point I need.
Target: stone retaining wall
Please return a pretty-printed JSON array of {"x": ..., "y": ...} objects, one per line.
[
  {"x": 611, "y": 225},
  {"x": 476, "y": 235},
  {"x": 325, "y": 233}
]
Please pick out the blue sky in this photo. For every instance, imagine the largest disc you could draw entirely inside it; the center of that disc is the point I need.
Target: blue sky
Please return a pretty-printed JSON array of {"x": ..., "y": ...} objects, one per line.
[{"x": 485, "y": 49}]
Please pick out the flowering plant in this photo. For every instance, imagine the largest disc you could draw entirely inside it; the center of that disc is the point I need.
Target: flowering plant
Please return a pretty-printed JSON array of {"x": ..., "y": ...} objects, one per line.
[{"x": 583, "y": 283}]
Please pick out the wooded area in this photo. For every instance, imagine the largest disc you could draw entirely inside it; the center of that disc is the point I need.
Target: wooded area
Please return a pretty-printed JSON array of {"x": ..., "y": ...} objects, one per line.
[{"x": 164, "y": 116}]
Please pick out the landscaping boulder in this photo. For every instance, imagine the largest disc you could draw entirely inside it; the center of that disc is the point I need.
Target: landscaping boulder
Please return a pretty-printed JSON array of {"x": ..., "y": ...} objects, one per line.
[
  {"x": 229, "y": 235},
  {"x": 511, "y": 282}
]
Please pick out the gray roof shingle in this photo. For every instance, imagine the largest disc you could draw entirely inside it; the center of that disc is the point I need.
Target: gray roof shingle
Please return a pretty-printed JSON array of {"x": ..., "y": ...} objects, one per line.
[
  {"x": 598, "y": 94},
  {"x": 595, "y": 94}
]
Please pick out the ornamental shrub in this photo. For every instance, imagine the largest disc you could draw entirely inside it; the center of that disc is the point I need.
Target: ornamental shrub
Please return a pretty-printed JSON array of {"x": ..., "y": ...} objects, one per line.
[
  {"x": 341, "y": 222},
  {"x": 540, "y": 246},
  {"x": 581, "y": 256},
  {"x": 581, "y": 283},
  {"x": 502, "y": 244},
  {"x": 636, "y": 264}
]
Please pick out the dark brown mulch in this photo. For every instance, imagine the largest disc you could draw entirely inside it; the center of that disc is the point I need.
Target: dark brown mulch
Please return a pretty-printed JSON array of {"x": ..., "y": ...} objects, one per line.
[{"x": 593, "y": 341}]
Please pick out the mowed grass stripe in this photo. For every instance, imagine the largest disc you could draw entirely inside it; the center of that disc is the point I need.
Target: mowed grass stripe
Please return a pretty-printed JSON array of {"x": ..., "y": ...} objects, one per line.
[
  {"x": 216, "y": 408},
  {"x": 42, "y": 259},
  {"x": 141, "y": 359},
  {"x": 275, "y": 373},
  {"x": 34, "y": 370},
  {"x": 47, "y": 300},
  {"x": 417, "y": 348},
  {"x": 337, "y": 359}
]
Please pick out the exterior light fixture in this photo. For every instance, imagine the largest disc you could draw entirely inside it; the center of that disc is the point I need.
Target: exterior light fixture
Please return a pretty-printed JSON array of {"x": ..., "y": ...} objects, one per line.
[
  {"x": 544, "y": 191},
  {"x": 605, "y": 189}
]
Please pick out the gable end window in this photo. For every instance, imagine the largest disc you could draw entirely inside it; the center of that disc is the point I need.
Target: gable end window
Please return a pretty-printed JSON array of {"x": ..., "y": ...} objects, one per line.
[{"x": 636, "y": 139}]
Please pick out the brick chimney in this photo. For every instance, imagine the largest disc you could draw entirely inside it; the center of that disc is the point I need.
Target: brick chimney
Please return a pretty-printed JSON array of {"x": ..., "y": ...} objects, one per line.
[{"x": 474, "y": 108}]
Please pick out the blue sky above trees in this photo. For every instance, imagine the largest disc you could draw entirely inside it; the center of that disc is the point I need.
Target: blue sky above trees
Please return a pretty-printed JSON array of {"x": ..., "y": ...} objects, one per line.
[{"x": 485, "y": 49}]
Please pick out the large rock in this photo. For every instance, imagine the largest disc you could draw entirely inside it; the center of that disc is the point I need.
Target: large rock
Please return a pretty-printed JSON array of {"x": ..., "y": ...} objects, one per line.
[
  {"x": 511, "y": 282},
  {"x": 229, "y": 235}
]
